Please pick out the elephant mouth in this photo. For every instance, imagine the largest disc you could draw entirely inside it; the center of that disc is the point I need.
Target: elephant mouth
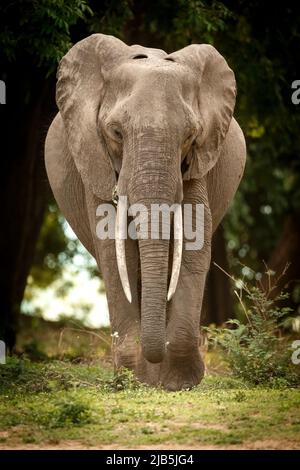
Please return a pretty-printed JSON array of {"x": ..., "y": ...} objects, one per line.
[{"x": 120, "y": 237}]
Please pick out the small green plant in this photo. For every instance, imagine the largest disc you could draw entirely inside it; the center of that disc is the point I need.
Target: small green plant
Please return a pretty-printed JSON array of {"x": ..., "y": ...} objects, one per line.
[
  {"x": 255, "y": 349},
  {"x": 33, "y": 352},
  {"x": 70, "y": 412},
  {"x": 123, "y": 379}
]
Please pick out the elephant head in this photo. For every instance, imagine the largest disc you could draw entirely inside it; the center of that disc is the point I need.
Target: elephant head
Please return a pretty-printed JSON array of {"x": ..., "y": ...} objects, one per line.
[{"x": 147, "y": 121}]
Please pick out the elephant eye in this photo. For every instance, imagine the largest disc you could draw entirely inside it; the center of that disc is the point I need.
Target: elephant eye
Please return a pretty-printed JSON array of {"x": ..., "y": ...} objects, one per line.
[
  {"x": 115, "y": 133},
  {"x": 118, "y": 134}
]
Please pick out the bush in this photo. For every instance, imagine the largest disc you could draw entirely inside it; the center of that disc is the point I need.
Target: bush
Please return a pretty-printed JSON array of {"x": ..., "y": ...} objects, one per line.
[
  {"x": 123, "y": 379},
  {"x": 255, "y": 349},
  {"x": 70, "y": 413}
]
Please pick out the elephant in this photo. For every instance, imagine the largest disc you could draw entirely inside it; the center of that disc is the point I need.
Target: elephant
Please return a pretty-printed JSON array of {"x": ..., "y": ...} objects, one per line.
[{"x": 156, "y": 128}]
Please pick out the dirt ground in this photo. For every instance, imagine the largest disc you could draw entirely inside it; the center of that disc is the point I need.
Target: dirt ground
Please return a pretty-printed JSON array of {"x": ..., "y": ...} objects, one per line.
[{"x": 77, "y": 445}]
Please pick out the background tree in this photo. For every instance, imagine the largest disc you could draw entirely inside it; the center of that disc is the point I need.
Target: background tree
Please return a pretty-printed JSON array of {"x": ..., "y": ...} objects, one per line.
[{"x": 34, "y": 36}]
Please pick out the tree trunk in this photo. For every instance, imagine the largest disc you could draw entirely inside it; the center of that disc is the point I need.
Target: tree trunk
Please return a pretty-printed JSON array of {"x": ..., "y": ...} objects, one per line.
[
  {"x": 286, "y": 251},
  {"x": 218, "y": 305},
  {"x": 23, "y": 189}
]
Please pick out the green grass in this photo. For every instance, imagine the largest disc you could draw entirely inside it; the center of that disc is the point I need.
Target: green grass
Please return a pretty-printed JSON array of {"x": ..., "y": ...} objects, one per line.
[{"x": 50, "y": 402}]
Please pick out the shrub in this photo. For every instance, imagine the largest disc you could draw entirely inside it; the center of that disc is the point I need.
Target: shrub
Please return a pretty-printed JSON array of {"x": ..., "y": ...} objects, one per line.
[
  {"x": 255, "y": 349},
  {"x": 123, "y": 379},
  {"x": 70, "y": 413}
]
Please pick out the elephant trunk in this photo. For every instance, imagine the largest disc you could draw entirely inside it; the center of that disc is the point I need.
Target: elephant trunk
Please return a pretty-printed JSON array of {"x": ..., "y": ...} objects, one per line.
[{"x": 154, "y": 258}]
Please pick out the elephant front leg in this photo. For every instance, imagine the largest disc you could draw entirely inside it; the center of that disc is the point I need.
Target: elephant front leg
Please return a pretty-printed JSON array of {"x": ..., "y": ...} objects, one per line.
[
  {"x": 183, "y": 366},
  {"x": 124, "y": 316}
]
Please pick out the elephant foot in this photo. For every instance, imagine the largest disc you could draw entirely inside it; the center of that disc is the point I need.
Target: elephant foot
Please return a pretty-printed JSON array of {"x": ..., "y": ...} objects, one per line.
[
  {"x": 128, "y": 354},
  {"x": 125, "y": 352},
  {"x": 181, "y": 373},
  {"x": 174, "y": 373},
  {"x": 146, "y": 372}
]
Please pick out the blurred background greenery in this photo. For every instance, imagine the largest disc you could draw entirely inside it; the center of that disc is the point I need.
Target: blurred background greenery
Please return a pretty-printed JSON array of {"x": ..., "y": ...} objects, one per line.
[{"x": 260, "y": 42}]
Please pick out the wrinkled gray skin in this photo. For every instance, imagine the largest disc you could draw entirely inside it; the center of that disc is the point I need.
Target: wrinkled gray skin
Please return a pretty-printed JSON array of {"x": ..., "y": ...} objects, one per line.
[{"x": 161, "y": 124}]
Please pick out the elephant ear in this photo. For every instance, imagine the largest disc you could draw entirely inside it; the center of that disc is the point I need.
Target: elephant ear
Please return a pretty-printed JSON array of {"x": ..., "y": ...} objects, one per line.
[
  {"x": 79, "y": 92},
  {"x": 216, "y": 100}
]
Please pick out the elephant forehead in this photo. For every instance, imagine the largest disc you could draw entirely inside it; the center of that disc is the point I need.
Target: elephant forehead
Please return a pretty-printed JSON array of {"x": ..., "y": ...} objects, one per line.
[
  {"x": 163, "y": 96},
  {"x": 155, "y": 73}
]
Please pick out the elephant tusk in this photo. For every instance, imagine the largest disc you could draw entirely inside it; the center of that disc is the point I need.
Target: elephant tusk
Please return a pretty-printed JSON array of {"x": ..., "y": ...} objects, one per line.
[
  {"x": 121, "y": 221},
  {"x": 177, "y": 254}
]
